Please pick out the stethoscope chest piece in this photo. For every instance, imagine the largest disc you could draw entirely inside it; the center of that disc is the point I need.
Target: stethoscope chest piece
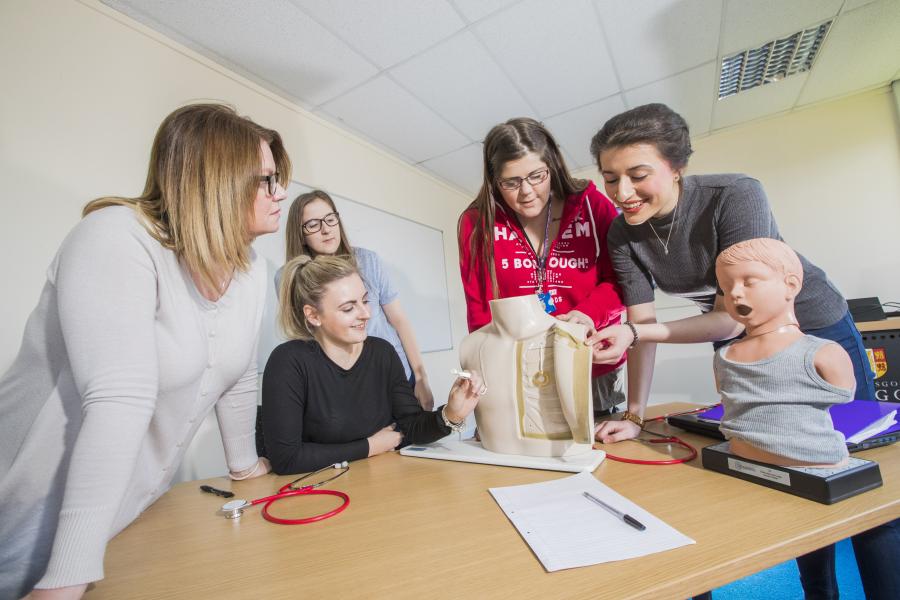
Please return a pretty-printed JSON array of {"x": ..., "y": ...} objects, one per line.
[{"x": 234, "y": 509}]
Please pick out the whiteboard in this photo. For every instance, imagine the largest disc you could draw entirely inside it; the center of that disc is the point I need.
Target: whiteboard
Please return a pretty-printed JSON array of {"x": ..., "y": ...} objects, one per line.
[{"x": 412, "y": 253}]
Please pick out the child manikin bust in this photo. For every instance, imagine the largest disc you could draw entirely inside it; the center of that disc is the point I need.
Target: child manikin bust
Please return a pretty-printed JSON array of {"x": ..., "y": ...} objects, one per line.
[
  {"x": 777, "y": 383},
  {"x": 538, "y": 373}
]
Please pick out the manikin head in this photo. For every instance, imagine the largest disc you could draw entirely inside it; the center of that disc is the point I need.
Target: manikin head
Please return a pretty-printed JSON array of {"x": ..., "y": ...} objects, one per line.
[{"x": 760, "y": 279}]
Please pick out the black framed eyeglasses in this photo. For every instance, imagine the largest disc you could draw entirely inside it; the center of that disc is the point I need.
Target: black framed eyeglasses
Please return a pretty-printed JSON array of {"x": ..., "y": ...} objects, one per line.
[
  {"x": 271, "y": 182},
  {"x": 533, "y": 178},
  {"x": 314, "y": 225}
]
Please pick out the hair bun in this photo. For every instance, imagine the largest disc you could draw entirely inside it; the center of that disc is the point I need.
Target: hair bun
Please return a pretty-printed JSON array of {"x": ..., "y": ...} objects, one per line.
[{"x": 303, "y": 259}]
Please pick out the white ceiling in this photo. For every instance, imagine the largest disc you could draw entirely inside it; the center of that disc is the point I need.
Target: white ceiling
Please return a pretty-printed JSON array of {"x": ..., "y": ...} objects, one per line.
[{"x": 426, "y": 79}]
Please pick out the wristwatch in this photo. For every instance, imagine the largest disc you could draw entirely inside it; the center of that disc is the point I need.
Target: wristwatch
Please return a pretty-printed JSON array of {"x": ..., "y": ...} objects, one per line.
[
  {"x": 457, "y": 427},
  {"x": 630, "y": 416}
]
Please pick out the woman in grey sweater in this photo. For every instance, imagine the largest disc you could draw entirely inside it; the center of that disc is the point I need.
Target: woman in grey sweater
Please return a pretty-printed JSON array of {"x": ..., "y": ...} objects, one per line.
[
  {"x": 671, "y": 230},
  {"x": 149, "y": 317}
]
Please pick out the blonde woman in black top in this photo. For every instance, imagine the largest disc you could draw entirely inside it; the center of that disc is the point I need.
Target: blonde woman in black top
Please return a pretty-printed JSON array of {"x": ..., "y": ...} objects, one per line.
[{"x": 332, "y": 393}]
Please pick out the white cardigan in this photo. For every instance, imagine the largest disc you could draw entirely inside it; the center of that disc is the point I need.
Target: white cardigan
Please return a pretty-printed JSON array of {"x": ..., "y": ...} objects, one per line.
[{"x": 120, "y": 362}]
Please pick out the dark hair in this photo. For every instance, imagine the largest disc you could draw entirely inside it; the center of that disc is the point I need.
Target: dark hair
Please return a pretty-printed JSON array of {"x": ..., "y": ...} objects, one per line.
[
  {"x": 655, "y": 124},
  {"x": 295, "y": 237},
  {"x": 504, "y": 143}
]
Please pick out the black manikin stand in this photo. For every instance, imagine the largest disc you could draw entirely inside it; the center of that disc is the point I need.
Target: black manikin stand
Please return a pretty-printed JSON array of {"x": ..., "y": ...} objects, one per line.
[{"x": 822, "y": 485}]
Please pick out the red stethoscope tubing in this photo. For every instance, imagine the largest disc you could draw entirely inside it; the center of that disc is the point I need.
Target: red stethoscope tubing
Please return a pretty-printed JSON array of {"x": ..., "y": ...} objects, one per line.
[
  {"x": 286, "y": 492},
  {"x": 692, "y": 452}
]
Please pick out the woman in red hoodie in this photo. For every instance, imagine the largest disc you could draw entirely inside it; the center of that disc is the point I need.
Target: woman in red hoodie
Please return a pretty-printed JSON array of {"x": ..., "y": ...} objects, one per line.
[{"x": 533, "y": 229}]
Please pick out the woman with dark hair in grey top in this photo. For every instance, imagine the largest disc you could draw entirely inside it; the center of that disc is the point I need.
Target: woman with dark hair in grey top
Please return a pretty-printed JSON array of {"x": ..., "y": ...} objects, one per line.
[{"x": 671, "y": 230}]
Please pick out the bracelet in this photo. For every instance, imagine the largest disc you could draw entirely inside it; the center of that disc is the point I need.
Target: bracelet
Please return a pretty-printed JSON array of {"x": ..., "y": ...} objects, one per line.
[
  {"x": 457, "y": 427},
  {"x": 630, "y": 416},
  {"x": 633, "y": 332},
  {"x": 246, "y": 474}
]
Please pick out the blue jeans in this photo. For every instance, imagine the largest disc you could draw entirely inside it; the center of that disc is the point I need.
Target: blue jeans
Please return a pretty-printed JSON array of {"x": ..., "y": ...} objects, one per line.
[{"x": 844, "y": 332}]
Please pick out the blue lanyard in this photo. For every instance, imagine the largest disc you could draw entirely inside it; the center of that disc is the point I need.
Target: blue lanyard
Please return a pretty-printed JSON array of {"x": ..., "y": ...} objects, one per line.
[{"x": 545, "y": 248}]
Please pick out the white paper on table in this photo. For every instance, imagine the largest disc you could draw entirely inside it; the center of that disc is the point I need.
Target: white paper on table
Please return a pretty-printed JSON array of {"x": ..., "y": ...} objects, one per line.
[{"x": 566, "y": 530}]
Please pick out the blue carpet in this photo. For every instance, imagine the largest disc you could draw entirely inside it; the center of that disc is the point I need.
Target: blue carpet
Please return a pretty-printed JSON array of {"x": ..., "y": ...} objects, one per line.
[{"x": 782, "y": 582}]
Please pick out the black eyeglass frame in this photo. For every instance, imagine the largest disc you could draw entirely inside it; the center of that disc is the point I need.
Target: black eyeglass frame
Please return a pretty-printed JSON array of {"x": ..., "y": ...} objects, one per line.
[
  {"x": 271, "y": 182},
  {"x": 332, "y": 219},
  {"x": 536, "y": 177}
]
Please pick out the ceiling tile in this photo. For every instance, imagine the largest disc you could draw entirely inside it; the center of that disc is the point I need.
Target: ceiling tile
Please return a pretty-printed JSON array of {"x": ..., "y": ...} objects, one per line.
[
  {"x": 388, "y": 114},
  {"x": 758, "y": 102},
  {"x": 462, "y": 83},
  {"x": 573, "y": 130},
  {"x": 386, "y": 31},
  {"x": 662, "y": 38},
  {"x": 691, "y": 94},
  {"x": 475, "y": 10},
  {"x": 862, "y": 50},
  {"x": 854, "y": 4},
  {"x": 462, "y": 167},
  {"x": 751, "y": 24},
  {"x": 307, "y": 62},
  {"x": 555, "y": 50}
]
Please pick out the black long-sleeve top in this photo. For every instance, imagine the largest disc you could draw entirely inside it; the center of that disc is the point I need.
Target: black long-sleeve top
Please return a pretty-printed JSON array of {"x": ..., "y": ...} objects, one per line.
[{"x": 316, "y": 413}]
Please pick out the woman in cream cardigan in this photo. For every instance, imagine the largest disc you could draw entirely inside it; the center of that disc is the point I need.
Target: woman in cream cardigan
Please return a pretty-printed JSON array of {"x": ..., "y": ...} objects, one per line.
[{"x": 148, "y": 319}]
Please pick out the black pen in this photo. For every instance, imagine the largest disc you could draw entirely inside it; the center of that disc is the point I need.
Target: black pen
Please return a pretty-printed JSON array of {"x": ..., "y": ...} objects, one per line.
[
  {"x": 619, "y": 514},
  {"x": 211, "y": 490}
]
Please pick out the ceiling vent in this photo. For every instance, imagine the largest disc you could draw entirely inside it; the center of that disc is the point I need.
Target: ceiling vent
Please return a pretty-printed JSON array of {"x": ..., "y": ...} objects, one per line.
[{"x": 772, "y": 61}]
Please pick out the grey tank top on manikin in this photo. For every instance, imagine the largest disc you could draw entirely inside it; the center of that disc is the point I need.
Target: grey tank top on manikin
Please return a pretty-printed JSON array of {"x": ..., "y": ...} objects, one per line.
[{"x": 780, "y": 404}]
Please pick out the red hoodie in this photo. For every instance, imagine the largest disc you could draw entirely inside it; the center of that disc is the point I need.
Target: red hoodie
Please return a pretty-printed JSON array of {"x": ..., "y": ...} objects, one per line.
[{"x": 579, "y": 273}]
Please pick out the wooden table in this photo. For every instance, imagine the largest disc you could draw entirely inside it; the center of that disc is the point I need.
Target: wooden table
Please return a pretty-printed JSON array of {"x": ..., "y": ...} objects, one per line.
[
  {"x": 890, "y": 324},
  {"x": 430, "y": 529}
]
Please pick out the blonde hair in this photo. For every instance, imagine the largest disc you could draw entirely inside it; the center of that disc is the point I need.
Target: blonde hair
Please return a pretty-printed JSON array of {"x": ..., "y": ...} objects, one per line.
[
  {"x": 774, "y": 253},
  {"x": 295, "y": 237},
  {"x": 303, "y": 283},
  {"x": 201, "y": 185}
]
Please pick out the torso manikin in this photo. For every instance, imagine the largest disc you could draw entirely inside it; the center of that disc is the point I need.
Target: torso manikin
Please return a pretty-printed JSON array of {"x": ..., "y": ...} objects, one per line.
[{"x": 538, "y": 374}]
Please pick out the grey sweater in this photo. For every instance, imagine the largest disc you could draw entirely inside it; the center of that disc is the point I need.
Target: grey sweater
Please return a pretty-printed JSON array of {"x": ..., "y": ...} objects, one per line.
[
  {"x": 714, "y": 212},
  {"x": 780, "y": 404},
  {"x": 120, "y": 362}
]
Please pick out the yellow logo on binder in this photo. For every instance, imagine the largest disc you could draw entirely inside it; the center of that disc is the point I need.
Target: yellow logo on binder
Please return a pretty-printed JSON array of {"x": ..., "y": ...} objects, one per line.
[{"x": 878, "y": 361}]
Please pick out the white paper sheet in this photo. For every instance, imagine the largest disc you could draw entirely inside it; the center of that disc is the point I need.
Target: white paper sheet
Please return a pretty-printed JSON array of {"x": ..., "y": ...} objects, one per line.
[
  {"x": 566, "y": 530},
  {"x": 875, "y": 428}
]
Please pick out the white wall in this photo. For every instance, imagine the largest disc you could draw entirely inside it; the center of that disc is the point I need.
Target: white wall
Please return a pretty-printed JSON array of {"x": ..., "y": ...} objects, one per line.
[
  {"x": 832, "y": 174},
  {"x": 84, "y": 90}
]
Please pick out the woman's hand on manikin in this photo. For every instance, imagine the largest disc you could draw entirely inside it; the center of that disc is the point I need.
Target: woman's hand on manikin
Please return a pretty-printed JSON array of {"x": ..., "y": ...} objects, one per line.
[
  {"x": 576, "y": 316},
  {"x": 384, "y": 440},
  {"x": 609, "y": 344},
  {"x": 464, "y": 395}
]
